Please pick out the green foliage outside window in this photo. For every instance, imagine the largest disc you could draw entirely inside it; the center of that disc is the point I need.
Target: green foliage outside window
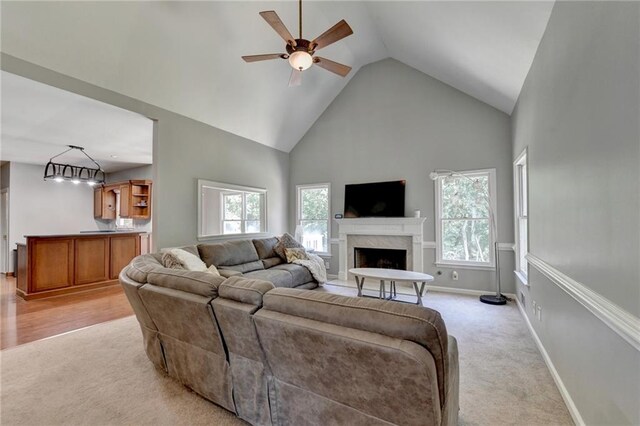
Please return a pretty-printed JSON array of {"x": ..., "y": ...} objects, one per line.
[
  {"x": 314, "y": 217},
  {"x": 465, "y": 219}
]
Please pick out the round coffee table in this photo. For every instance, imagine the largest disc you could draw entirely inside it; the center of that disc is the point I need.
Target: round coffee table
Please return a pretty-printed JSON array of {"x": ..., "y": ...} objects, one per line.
[{"x": 393, "y": 276}]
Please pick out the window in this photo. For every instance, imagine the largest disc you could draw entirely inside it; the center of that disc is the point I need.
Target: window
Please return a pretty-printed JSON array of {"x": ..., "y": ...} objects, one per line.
[
  {"x": 521, "y": 216},
  {"x": 465, "y": 220},
  {"x": 241, "y": 213},
  {"x": 226, "y": 209},
  {"x": 313, "y": 216}
]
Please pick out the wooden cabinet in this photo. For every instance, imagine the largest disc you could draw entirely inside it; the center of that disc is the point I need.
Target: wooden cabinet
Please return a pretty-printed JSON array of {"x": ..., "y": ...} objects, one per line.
[
  {"x": 125, "y": 200},
  {"x": 141, "y": 199},
  {"x": 104, "y": 203},
  {"x": 91, "y": 260},
  {"x": 135, "y": 200},
  {"x": 123, "y": 249},
  {"x": 54, "y": 265}
]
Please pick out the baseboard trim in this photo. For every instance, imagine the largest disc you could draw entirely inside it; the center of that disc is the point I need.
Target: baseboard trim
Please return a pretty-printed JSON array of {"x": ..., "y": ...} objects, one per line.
[
  {"x": 571, "y": 406},
  {"x": 465, "y": 291},
  {"x": 619, "y": 320}
]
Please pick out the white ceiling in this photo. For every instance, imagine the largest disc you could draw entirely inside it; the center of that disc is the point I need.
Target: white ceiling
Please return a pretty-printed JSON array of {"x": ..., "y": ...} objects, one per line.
[
  {"x": 39, "y": 121},
  {"x": 185, "y": 56}
]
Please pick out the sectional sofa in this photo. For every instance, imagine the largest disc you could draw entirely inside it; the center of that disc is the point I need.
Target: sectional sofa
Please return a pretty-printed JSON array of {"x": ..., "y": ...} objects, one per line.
[{"x": 286, "y": 356}]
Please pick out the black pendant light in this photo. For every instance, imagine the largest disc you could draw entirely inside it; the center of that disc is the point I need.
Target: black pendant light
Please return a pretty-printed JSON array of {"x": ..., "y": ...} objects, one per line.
[{"x": 59, "y": 172}]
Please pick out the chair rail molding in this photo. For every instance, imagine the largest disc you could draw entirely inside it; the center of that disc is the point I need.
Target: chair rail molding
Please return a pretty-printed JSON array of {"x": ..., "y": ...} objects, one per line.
[{"x": 619, "y": 320}]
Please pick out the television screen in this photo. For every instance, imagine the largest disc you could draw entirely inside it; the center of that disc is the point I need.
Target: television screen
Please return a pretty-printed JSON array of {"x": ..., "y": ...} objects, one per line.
[{"x": 380, "y": 199}]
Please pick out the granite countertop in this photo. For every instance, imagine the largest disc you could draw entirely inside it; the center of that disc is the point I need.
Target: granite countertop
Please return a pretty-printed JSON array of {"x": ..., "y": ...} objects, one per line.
[{"x": 87, "y": 234}]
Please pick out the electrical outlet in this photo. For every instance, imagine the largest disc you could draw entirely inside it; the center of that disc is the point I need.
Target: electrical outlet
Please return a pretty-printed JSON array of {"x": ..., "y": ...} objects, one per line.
[
  {"x": 539, "y": 312},
  {"x": 454, "y": 275},
  {"x": 327, "y": 264}
]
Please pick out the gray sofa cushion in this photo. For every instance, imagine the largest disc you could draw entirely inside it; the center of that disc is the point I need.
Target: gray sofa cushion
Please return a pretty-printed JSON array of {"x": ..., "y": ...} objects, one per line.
[
  {"x": 418, "y": 324},
  {"x": 245, "y": 290},
  {"x": 270, "y": 262},
  {"x": 229, "y": 253},
  {"x": 299, "y": 273},
  {"x": 201, "y": 283},
  {"x": 243, "y": 267},
  {"x": 279, "y": 278},
  {"x": 265, "y": 247}
]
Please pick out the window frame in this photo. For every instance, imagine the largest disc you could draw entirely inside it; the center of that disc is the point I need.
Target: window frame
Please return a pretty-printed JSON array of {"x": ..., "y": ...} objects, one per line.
[
  {"x": 493, "y": 237},
  {"x": 520, "y": 161},
  {"x": 299, "y": 189},
  {"x": 203, "y": 183},
  {"x": 243, "y": 214}
]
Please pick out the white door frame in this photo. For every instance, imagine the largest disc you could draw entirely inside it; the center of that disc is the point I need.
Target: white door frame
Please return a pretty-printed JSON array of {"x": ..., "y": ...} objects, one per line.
[{"x": 4, "y": 242}]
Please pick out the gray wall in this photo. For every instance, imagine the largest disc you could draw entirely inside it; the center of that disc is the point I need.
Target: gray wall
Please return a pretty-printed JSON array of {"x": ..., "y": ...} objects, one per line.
[
  {"x": 393, "y": 122},
  {"x": 185, "y": 150},
  {"x": 141, "y": 172},
  {"x": 578, "y": 115},
  {"x": 46, "y": 207}
]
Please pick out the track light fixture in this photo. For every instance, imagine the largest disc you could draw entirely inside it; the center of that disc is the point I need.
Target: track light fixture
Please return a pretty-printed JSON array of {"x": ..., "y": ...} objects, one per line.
[{"x": 59, "y": 172}]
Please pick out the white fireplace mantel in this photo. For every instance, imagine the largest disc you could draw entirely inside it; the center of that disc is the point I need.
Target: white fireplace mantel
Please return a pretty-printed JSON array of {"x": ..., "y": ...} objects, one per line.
[{"x": 391, "y": 226}]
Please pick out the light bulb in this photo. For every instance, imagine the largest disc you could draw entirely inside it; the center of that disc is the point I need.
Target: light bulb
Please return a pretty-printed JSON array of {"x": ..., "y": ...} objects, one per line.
[
  {"x": 75, "y": 181},
  {"x": 91, "y": 183},
  {"x": 58, "y": 179},
  {"x": 300, "y": 60}
]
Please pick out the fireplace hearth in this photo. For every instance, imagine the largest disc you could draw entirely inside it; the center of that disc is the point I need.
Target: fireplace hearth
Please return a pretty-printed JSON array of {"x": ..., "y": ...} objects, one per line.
[{"x": 367, "y": 257}]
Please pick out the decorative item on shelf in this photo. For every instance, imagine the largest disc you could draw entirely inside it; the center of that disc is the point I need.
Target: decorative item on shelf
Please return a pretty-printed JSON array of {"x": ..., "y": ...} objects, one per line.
[
  {"x": 59, "y": 172},
  {"x": 491, "y": 299}
]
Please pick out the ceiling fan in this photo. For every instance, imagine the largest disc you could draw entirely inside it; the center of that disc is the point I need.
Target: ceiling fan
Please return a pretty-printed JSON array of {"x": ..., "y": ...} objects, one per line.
[{"x": 300, "y": 51}]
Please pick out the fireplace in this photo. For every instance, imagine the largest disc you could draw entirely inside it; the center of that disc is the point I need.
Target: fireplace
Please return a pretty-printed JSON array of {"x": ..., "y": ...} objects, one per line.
[
  {"x": 367, "y": 257},
  {"x": 391, "y": 233}
]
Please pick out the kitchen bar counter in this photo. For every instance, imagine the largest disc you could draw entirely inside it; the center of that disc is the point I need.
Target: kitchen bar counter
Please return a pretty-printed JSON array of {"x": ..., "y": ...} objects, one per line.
[{"x": 52, "y": 265}]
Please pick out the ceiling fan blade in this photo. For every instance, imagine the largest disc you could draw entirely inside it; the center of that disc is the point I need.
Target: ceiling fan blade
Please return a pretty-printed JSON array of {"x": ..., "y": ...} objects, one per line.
[
  {"x": 334, "y": 67},
  {"x": 256, "y": 58},
  {"x": 273, "y": 19},
  {"x": 295, "y": 79},
  {"x": 333, "y": 34}
]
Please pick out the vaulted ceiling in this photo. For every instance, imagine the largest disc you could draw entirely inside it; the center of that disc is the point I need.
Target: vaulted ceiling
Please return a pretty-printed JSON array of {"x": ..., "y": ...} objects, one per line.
[{"x": 185, "y": 56}]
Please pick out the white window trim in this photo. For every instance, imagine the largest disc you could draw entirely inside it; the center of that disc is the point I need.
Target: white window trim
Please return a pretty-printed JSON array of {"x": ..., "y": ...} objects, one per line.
[
  {"x": 522, "y": 159},
  {"x": 232, "y": 187},
  {"x": 493, "y": 200},
  {"x": 299, "y": 211}
]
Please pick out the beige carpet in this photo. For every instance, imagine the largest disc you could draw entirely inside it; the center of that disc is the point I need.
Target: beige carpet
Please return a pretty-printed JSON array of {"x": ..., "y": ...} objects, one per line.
[{"x": 101, "y": 376}]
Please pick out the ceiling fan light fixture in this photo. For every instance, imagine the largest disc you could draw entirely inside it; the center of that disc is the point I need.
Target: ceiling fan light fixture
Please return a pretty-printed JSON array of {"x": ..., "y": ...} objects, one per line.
[{"x": 300, "y": 60}]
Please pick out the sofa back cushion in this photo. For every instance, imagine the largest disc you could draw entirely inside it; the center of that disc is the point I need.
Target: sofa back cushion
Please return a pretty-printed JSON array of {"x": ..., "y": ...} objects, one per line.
[
  {"x": 141, "y": 265},
  {"x": 239, "y": 299},
  {"x": 265, "y": 247},
  {"x": 403, "y": 321},
  {"x": 228, "y": 253},
  {"x": 330, "y": 369},
  {"x": 192, "y": 345},
  {"x": 196, "y": 282}
]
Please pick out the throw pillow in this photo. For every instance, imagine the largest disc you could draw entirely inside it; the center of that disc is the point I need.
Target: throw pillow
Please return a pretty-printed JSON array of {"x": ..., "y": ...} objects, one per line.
[
  {"x": 169, "y": 260},
  {"x": 295, "y": 254},
  {"x": 188, "y": 260},
  {"x": 213, "y": 270},
  {"x": 285, "y": 242}
]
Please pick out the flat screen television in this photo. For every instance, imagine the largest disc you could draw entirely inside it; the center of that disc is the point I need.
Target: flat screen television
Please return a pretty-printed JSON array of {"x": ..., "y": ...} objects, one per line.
[{"x": 379, "y": 199}]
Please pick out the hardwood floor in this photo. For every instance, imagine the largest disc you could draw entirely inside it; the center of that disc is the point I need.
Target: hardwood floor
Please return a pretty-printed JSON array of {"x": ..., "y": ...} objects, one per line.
[{"x": 26, "y": 321}]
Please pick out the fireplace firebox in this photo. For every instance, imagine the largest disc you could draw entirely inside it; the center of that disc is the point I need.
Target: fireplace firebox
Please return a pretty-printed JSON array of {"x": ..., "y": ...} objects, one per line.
[{"x": 365, "y": 257}]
